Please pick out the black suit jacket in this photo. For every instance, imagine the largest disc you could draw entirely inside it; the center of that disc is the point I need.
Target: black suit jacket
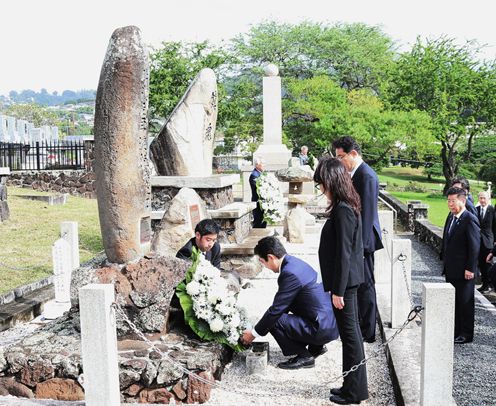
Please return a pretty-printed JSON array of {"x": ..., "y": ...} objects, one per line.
[
  {"x": 341, "y": 250},
  {"x": 469, "y": 205},
  {"x": 213, "y": 255},
  {"x": 461, "y": 246},
  {"x": 367, "y": 185},
  {"x": 301, "y": 294},
  {"x": 487, "y": 226},
  {"x": 255, "y": 174}
]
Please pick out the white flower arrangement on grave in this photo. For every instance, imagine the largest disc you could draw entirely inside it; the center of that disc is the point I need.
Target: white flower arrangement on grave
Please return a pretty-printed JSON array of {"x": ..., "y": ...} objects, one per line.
[
  {"x": 270, "y": 198},
  {"x": 210, "y": 308}
]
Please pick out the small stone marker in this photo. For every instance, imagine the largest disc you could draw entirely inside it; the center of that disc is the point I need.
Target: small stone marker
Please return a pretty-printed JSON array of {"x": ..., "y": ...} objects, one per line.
[
  {"x": 69, "y": 232},
  {"x": 401, "y": 270},
  {"x": 99, "y": 345},
  {"x": 382, "y": 260},
  {"x": 436, "y": 377},
  {"x": 62, "y": 270},
  {"x": 256, "y": 362}
]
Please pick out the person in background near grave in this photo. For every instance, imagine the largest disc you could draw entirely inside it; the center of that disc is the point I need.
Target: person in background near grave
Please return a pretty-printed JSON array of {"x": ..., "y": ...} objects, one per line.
[
  {"x": 205, "y": 239},
  {"x": 342, "y": 269},
  {"x": 366, "y": 184},
  {"x": 463, "y": 183},
  {"x": 300, "y": 318},
  {"x": 304, "y": 158},
  {"x": 258, "y": 221},
  {"x": 459, "y": 253},
  {"x": 487, "y": 221}
]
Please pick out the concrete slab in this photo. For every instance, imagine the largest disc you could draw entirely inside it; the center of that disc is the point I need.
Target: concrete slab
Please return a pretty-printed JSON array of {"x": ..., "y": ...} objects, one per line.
[{"x": 206, "y": 182}]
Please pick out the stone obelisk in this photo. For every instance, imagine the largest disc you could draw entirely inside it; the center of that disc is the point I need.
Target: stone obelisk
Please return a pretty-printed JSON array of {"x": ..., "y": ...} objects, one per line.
[
  {"x": 121, "y": 159},
  {"x": 273, "y": 151}
]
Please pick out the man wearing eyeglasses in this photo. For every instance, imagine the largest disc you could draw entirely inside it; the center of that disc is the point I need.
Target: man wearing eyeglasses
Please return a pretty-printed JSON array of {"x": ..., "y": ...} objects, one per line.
[{"x": 367, "y": 185}]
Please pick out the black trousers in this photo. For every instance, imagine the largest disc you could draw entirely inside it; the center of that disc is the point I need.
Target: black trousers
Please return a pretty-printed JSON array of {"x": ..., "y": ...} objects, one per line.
[
  {"x": 354, "y": 384},
  {"x": 258, "y": 217},
  {"x": 483, "y": 265},
  {"x": 464, "y": 307},
  {"x": 367, "y": 300}
]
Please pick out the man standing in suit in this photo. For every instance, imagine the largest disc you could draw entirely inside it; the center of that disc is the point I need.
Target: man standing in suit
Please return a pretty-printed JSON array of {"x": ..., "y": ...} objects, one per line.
[
  {"x": 461, "y": 241},
  {"x": 487, "y": 221},
  {"x": 205, "y": 240},
  {"x": 257, "y": 212},
  {"x": 366, "y": 184},
  {"x": 301, "y": 317}
]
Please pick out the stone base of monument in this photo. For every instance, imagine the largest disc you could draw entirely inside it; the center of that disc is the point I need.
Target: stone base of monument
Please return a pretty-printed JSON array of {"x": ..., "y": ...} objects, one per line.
[
  {"x": 234, "y": 220},
  {"x": 215, "y": 190},
  {"x": 48, "y": 365}
]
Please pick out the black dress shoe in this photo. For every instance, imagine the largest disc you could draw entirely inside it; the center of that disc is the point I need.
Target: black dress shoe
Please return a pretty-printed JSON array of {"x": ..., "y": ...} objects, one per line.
[
  {"x": 317, "y": 351},
  {"x": 337, "y": 391},
  {"x": 462, "y": 340},
  {"x": 485, "y": 289},
  {"x": 343, "y": 400},
  {"x": 300, "y": 361}
]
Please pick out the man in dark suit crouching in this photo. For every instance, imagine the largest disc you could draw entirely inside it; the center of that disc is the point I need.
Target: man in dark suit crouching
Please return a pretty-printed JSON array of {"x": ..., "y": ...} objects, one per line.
[
  {"x": 461, "y": 242},
  {"x": 301, "y": 317}
]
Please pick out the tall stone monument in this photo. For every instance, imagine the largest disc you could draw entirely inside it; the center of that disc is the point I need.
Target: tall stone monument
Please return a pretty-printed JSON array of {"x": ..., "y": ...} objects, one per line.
[
  {"x": 184, "y": 146},
  {"x": 121, "y": 159},
  {"x": 273, "y": 151}
]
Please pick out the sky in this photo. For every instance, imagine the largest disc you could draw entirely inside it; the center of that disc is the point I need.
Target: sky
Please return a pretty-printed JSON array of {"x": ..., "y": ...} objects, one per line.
[{"x": 60, "y": 44}]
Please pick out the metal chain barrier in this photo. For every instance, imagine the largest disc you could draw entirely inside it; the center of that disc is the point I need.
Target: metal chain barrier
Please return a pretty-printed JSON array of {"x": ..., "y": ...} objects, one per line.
[
  {"x": 411, "y": 316},
  {"x": 385, "y": 237}
]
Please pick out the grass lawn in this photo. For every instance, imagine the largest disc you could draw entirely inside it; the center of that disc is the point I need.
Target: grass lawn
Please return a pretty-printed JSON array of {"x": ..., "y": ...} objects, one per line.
[
  {"x": 399, "y": 177},
  {"x": 26, "y": 238}
]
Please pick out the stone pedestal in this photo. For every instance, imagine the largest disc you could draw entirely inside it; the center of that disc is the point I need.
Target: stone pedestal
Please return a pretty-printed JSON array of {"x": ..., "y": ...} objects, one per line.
[
  {"x": 234, "y": 220},
  {"x": 416, "y": 211},
  {"x": 215, "y": 190},
  {"x": 4, "y": 207}
]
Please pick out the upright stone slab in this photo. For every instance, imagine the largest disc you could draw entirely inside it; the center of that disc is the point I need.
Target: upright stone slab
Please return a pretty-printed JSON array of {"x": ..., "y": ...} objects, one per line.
[
  {"x": 4, "y": 207},
  {"x": 184, "y": 146},
  {"x": 99, "y": 345},
  {"x": 121, "y": 160},
  {"x": 62, "y": 270},
  {"x": 401, "y": 283},
  {"x": 438, "y": 323},
  {"x": 69, "y": 232},
  {"x": 382, "y": 258},
  {"x": 177, "y": 226}
]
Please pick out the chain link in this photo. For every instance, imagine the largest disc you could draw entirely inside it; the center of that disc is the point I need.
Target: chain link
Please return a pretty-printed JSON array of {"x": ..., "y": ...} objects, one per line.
[
  {"x": 411, "y": 316},
  {"x": 385, "y": 234}
]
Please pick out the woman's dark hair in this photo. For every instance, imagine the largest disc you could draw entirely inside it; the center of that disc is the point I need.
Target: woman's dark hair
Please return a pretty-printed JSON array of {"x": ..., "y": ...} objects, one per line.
[
  {"x": 270, "y": 245},
  {"x": 206, "y": 227},
  {"x": 332, "y": 175}
]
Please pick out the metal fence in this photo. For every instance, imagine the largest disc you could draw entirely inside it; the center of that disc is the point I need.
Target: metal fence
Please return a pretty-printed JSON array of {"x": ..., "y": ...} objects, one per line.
[{"x": 38, "y": 156}]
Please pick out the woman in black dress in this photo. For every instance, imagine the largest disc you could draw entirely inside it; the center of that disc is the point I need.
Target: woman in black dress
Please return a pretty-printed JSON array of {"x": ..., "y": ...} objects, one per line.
[{"x": 341, "y": 265}]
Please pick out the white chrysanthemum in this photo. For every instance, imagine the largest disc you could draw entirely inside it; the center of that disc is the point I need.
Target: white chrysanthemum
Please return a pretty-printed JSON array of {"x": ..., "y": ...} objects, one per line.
[
  {"x": 216, "y": 325},
  {"x": 235, "y": 320},
  {"x": 193, "y": 288}
]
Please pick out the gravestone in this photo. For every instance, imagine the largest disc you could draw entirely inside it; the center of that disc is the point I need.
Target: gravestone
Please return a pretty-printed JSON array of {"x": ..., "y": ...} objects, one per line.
[
  {"x": 185, "y": 144},
  {"x": 177, "y": 226},
  {"x": 121, "y": 161}
]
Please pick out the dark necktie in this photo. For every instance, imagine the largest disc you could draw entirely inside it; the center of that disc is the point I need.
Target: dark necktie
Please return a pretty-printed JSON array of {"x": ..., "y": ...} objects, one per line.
[{"x": 452, "y": 225}]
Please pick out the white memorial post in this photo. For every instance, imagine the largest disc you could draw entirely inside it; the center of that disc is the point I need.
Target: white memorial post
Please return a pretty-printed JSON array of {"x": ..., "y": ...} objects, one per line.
[
  {"x": 69, "y": 232},
  {"x": 61, "y": 280},
  {"x": 382, "y": 260},
  {"x": 401, "y": 281},
  {"x": 436, "y": 375},
  {"x": 99, "y": 345},
  {"x": 275, "y": 154}
]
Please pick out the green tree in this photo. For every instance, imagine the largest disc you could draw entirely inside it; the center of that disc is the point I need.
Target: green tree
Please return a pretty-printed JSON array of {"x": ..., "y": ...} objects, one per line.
[
  {"x": 453, "y": 87},
  {"x": 173, "y": 67},
  {"x": 318, "y": 110}
]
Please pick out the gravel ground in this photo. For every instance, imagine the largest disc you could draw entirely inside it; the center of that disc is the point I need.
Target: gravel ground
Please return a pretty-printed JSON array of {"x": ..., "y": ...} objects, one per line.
[
  {"x": 299, "y": 387},
  {"x": 474, "y": 380}
]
